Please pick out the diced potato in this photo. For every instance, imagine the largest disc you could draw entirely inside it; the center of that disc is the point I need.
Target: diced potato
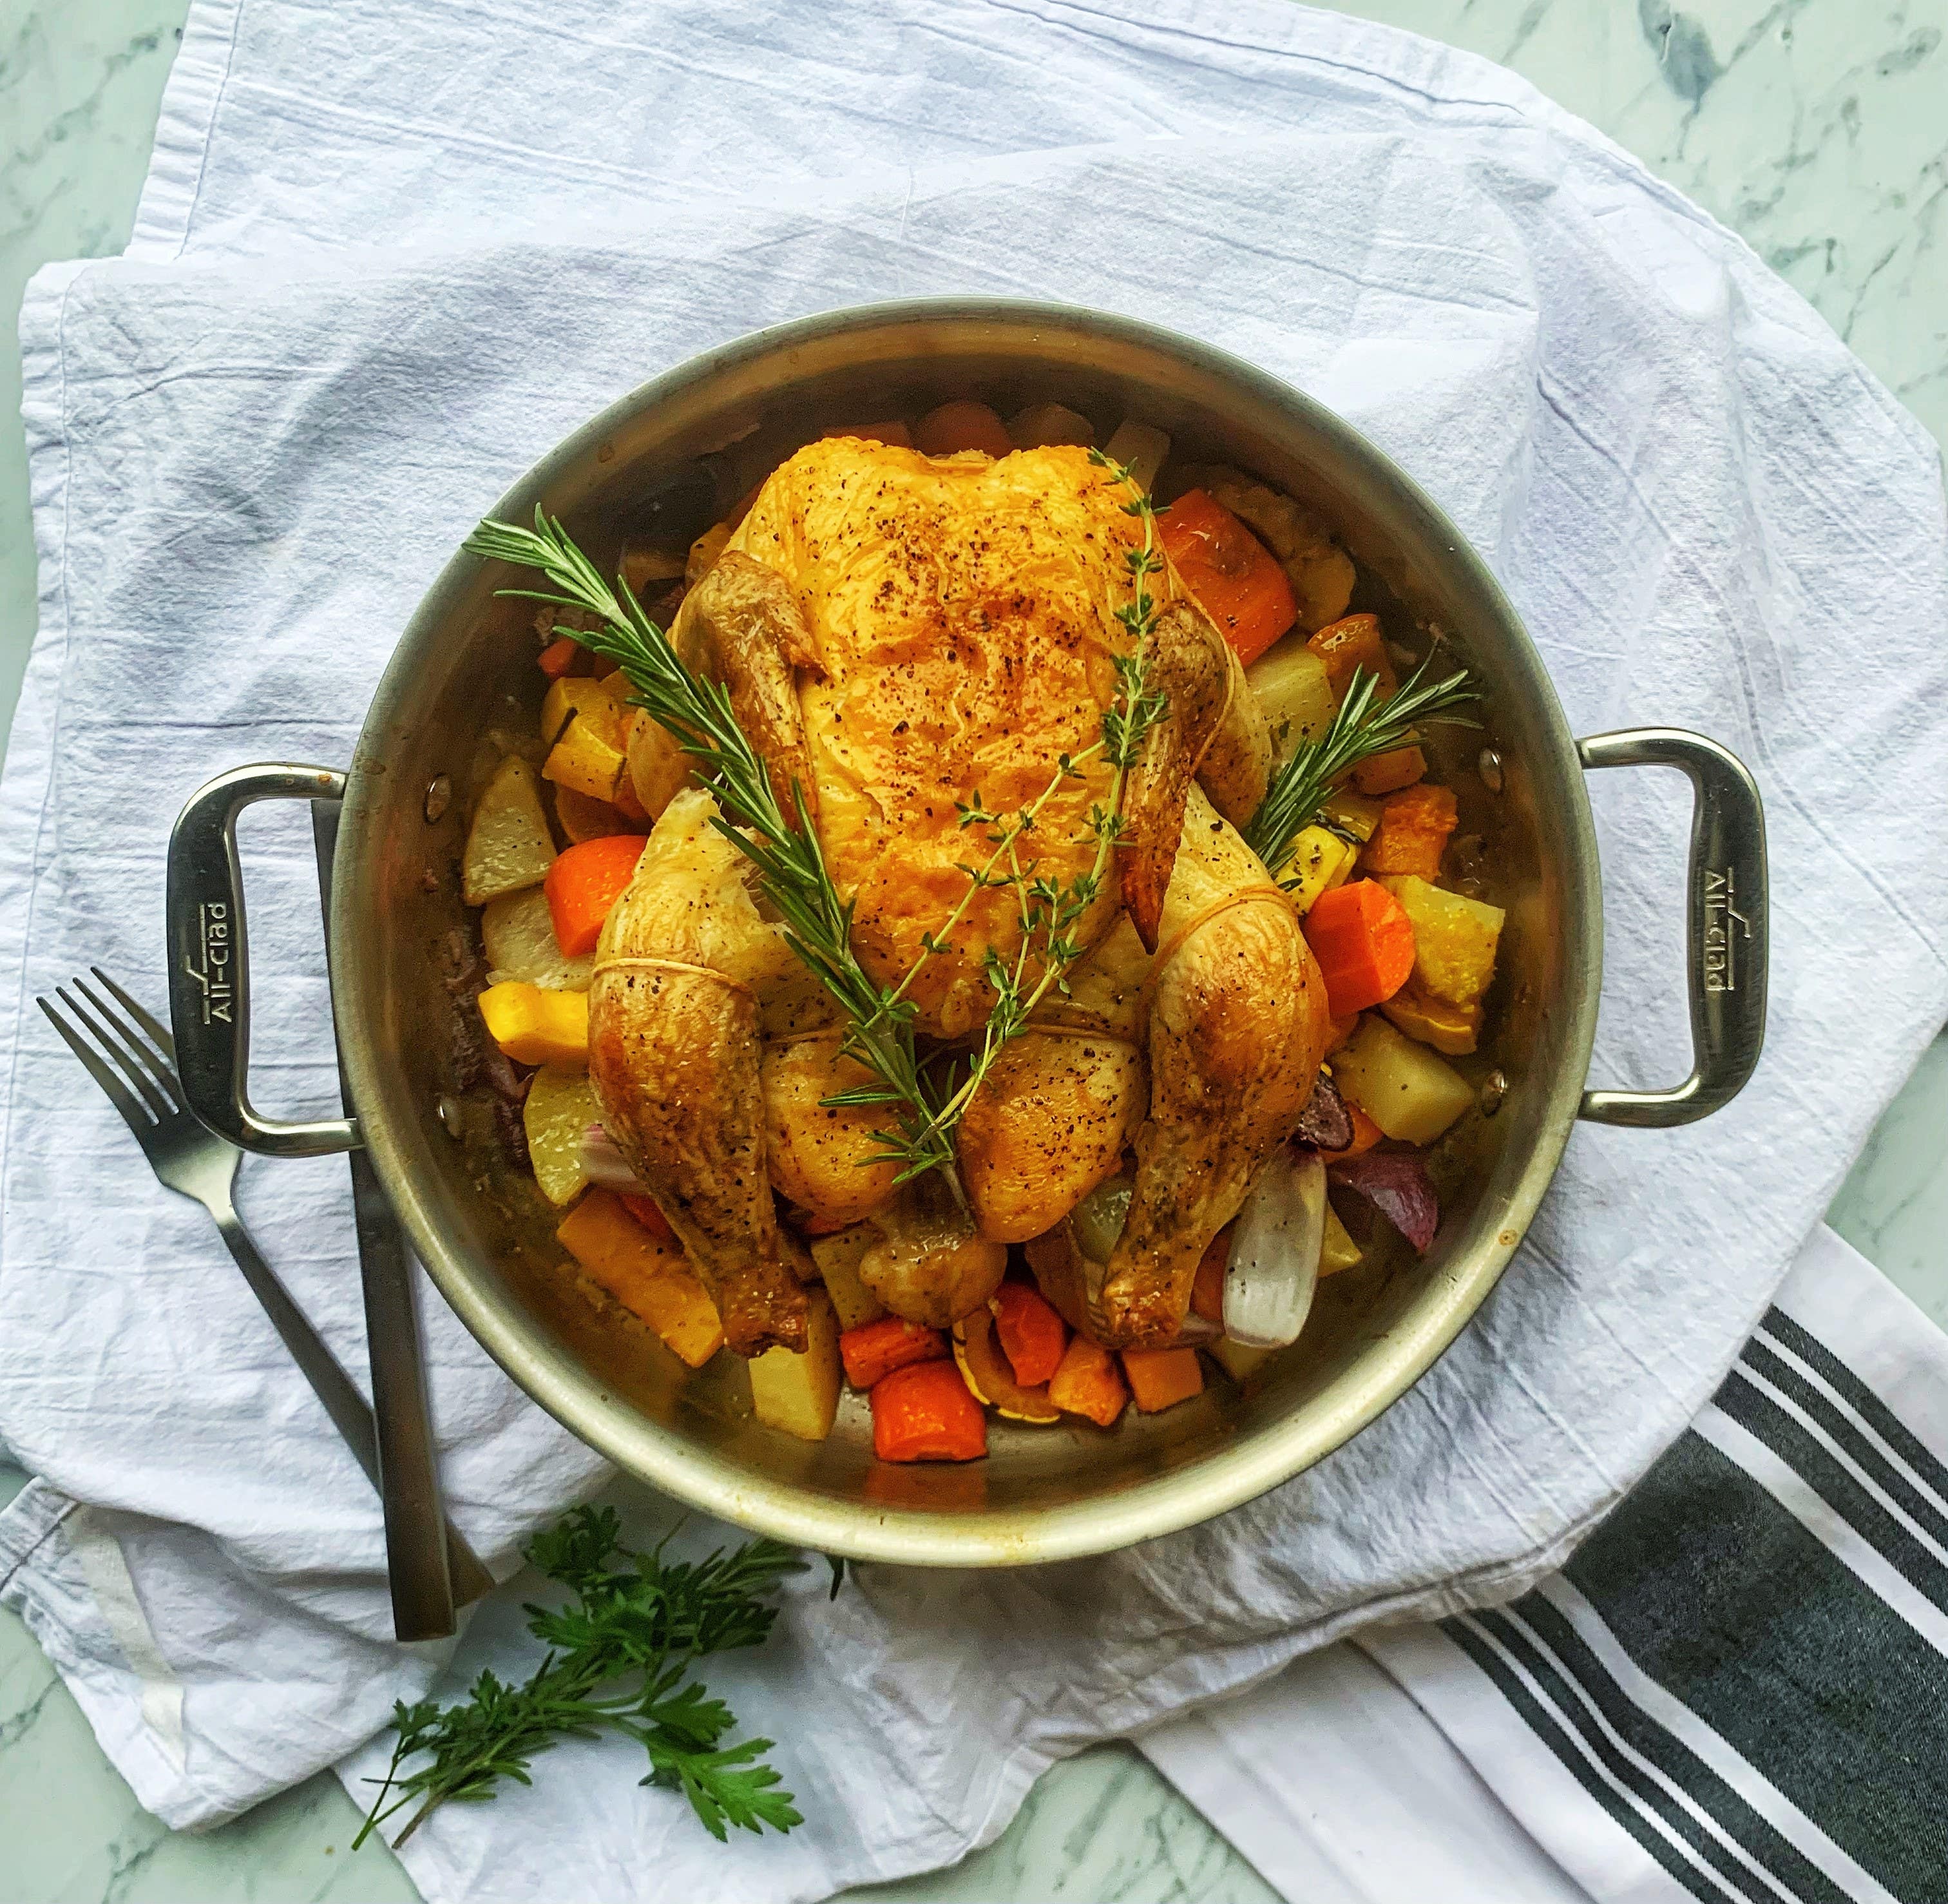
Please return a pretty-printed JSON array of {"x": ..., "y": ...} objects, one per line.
[
  {"x": 650, "y": 1277},
  {"x": 1454, "y": 1029},
  {"x": 1353, "y": 813},
  {"x": 1292, "y": 687},
  {"x": 1160, "y": 1378},
  {"x": 1339, "y": 1250},
  {"x": 560, "y": 1107},
  {"x": 509, "y": 846},
  {"x": 800, "y": 1393},
  {"x": 838, "y": 1258},
  {"x": 519, "y": 934},
  {"x": 537, "y": 1027},
  {"x": 1142, "y": 449},
  {"x": 585, "y": 724},
  {"x": 1042, "y": 424},
  {"x": 1237, "y": 1361},
  {"x": 1454, "y": 939},
  {"x": 1320, "y": 860},
  {"x": 1409, "y": 1092}
]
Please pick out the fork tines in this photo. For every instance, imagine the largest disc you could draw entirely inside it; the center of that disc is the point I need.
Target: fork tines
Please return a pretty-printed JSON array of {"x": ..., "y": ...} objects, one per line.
[{"x": 152, "y": 1095}]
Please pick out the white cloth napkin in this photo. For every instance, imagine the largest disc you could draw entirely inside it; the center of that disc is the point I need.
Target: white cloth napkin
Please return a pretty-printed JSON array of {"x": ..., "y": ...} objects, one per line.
[{"x": 369, "y": 288}]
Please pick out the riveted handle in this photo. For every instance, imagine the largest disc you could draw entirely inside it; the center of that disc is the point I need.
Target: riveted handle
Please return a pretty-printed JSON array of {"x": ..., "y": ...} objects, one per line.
[
  {"x": 1727, "y": 921},
  {"x": 210, "y": 966}
]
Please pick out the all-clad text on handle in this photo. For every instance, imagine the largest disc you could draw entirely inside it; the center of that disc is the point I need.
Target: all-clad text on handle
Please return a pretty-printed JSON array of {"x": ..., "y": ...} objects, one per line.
[
  {"x": 209, "y": 955},
  {"x": 1726, "y": 918}
]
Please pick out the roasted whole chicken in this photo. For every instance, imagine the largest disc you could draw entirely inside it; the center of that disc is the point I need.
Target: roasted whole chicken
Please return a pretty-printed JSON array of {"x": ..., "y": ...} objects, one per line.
[{"x": 906, "y": 640}]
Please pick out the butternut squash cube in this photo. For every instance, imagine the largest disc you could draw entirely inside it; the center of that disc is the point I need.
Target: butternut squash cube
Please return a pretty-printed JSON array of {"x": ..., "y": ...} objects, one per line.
[
  {"x": 584, "y": 724},
  {"x": 1455, "y": 939},
  {"x": 537, "y": 1027},
  {"x": 649, "y": 1277}
]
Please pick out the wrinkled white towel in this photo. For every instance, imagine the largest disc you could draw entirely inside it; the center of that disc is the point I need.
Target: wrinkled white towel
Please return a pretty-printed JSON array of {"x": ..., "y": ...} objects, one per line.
[{"x": 384, "y": 262}]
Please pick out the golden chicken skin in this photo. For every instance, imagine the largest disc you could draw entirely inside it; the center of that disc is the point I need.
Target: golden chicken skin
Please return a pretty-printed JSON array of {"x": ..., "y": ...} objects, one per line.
[{"x": 907, "y": 642}]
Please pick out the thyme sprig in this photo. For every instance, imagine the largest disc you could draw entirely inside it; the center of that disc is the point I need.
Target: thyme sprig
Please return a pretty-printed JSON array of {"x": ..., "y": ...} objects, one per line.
[
  {"x": 619, "y": 1659},
  {"x": 1364, "y": 725},
  {"x": 791, "y": 864}
]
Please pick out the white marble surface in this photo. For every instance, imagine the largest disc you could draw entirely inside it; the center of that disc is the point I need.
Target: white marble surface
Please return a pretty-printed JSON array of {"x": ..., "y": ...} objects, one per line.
[{"x": 1814, "y": 128}]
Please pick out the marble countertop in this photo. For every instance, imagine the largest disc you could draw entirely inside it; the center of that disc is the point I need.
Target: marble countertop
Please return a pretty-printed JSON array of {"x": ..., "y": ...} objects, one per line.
[{"x": 1813, "y": 128}]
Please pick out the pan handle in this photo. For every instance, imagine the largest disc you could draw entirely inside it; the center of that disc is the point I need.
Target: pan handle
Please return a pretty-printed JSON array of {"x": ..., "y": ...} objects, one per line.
[
  {"x": 1727, "y": 925},
  {"x": 209, "y": 966}
]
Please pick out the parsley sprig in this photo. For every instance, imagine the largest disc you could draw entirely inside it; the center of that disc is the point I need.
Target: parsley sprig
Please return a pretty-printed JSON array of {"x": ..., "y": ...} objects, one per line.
[
  {"x": 619, "y": 1659},
  {"x": 1365, "y": 725}
]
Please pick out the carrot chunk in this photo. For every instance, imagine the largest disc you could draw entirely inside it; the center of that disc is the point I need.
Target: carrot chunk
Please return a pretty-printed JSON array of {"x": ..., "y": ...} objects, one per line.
[
  {"x": 963, "y": 424},
  {"x": 924, "y": 1412},
  {"x": 1033, "y": 1335},
  {"x": 1160, "y": 1378},
  {"x": 559, "y": 656},
  {"x": 1412, "y": 833},
  {"x": 874, "y": 1350},
  {"x": 1237, "y": 579},
  {"x": 645, "y": 1211},
  {"x": 1363, "y": 942},
  {"x": 1207, "y": 1293},
  {"x": 584, "y": 883},
  {"x": 1088, "y": 1383}
]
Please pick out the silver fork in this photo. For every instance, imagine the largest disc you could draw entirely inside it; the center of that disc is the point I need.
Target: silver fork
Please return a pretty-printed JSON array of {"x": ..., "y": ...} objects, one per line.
[{"x": 195, "y": 1162}]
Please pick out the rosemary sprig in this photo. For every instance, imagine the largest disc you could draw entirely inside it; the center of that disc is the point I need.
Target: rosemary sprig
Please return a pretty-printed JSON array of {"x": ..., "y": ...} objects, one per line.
[
  {"x": 1364, "y": 725},
  {"x": 618, "y": 1660},
  {"x": 791, "y": 865}
]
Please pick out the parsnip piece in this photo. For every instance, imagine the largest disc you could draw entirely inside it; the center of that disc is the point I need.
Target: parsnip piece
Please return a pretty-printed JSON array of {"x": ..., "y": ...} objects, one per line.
[
  {"x": 1291, "y": 683},
  {"x": 799, "y": 1393},
  {"x": 1042, "y": 424},
  {"x": 837, "y": 1257},
  {"x": 1142, "y": 449},
  {"x": 519, "y": 935},
  {"x": 1411, "y": 1095},
  {"x": 508, "y": 847},
  {"x": 1238, "y": 1361},
  {"x": 1339, "y": 1251},
  {"x": 559, "y": 1107}
]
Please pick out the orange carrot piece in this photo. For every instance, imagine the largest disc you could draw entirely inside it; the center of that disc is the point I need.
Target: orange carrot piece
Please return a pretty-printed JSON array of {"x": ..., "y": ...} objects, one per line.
[
  {"x": 895, "y": 432},
  {"x": 584, "y": 883},
  {"x": 1412, "y": 833},
  {"x": 1087, "y": 1382},
  {"x": 559, "y": 656},
  {"x": 924, "y": 1412},
  {"x": 1363, "y": 941},
  {"x": 1237, "y": 579},
  {"x": 962, "y": 425},
  {"x": 1032, "y": 1335},
  {"x": 645, "y": 1211},
  {"x": 1366, "y": 1135},
  {"x": 1207, "y": 1293},
  {"x": 1160, "y": 1378},
  {"x": 874, "y": 1350}
]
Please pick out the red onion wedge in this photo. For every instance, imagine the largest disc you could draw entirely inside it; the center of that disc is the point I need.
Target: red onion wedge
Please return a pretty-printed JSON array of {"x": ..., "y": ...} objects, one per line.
[
  {"x": 1396, "y": 1184},
  {"x": 1273, "y": 1269},
  {"x": 602, "y": 1163}
]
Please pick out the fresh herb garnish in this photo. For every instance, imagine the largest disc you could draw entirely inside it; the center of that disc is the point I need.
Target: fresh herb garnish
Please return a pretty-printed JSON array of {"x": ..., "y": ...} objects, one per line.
[
  {"x": 619, "y": 1659},
  {"x": 1365, "y": 725}
]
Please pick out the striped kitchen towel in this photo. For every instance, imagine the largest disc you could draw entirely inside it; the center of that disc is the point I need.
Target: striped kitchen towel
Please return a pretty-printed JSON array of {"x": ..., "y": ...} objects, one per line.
[{"x": 1738, "y": 1688}]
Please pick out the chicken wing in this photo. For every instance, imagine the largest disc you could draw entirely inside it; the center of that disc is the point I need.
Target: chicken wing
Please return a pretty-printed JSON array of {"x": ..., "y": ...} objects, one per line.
[
  {"x": 673, "y": 1056},
  {"x": 1237, "y": 1026}
]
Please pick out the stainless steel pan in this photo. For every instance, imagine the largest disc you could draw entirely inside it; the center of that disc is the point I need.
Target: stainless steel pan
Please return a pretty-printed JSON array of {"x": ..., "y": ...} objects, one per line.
[{"x": 664, "y": 463}]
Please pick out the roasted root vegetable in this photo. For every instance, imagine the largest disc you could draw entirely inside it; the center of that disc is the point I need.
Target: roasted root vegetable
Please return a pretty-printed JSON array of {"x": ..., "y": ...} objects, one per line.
[
  {"x": 1454, "y": 939},
  {"x": 537, "y": 1027},
  {"x": 647, "y": 1212},
  {"x": 1339, "y": 1251},
  {"x": 585, "y": 724},
  {"x": 836, "y": 1257},
  {"x": 1273, "y": 1271},
  {"x": 799, "y": 1393},
  {"x": 1453, "y": 1029},
  {"x": 1410, "y": 1094},
  {"x": 1239, "y": 1360},
  {"x": 1352, "y": 812},
  {"x": 1363, "y": 942},
  {"x": 1320, "y": 570},
  {"x": 1320, "y": 860},
  {"x": 1160, "y": 1378},
  {"x": 509, "y": 846},
  {"x": 1346, "y": 646},
  {"x": 561, "y": 655},
  {"x": 584, "y": 883},
  {"x": 649, "y": 1277},
  {"x": 1412, "y": 834},
  {"x": 1295, "y": 694},
  {"x": 583, "y": 818},
  {"x": 1042, "y": 424},
  {"x": 1236, "y": 580},
  {"x": 1087, "y": 1382},
  {"x": 1397, "y": 1185},
  {"x": 1141, "y": 448},
  {"x": 873, "y": 1351},
  {"x": 985, "y": 1368},
  {"x": 962, "y": 425},
  {"x": 518, "y": 936},
  {"x": 558, "y": 1109},
  {"x": 924, "y": 1412},
  {"x": 1031, "y": 1334},
  {"x": 1366, "y": 1133}
]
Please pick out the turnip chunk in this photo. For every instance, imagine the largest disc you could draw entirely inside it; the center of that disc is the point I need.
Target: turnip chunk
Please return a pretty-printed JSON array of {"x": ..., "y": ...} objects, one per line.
[
  {"x": 1396, "y": 1183},
  {"x": 602, "y": 1163},
  {"x": 1273, "y": 1269}
]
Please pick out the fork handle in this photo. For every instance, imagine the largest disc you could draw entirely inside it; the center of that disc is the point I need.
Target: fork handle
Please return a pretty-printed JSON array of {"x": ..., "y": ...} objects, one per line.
[{"x": 333, "y": 1386}]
